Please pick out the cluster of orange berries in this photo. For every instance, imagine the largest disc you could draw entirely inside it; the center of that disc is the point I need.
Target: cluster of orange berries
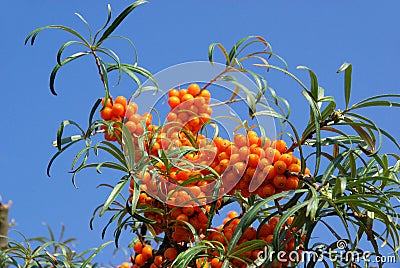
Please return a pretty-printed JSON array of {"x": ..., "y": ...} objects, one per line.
[
  {"x": 223, "y": 235},
  {"x": 189, "y": 107},
  {"x": 263, "y": 166},
  {"x": 175, "y": 215},
  {"x": 249, "y": 164},
  {"x": 144, "y": 257},
  {"x": 119, "y": 111}
]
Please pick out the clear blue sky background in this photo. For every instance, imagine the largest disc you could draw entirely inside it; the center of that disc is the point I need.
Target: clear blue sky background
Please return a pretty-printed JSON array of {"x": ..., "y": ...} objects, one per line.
[{"x": 318, "y": 34}]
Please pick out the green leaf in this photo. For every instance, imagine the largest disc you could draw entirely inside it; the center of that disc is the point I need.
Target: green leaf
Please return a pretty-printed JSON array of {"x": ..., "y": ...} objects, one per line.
[
  {"x": 185, "y": 257},
  {"x": 93, "y": 111},
  {"x": 347, "y": 68},
  {"x": 340, "y": 186},
  {"x": 61, "y": 130},
  {"x": 316, "y": 118},
  {"x": 119, "y": 19},
  {"x": 34, "y": 33},
  {"x": 58, "y": 66},
  {"x": 211, "y": 52},
  {"x": 332, "y": 167},
  {"x": 114, "y": 193},
  {"x": 58, "y": 154},
  {"x": 128, "y": 147},
  {"x": 251, "y": 101},
  {"x": 363, "y": 134},
  {"x": 376, "y": 103},
  {"x": 87, "y": 25},
  {"x": 314, "y": 82},
  {"x": 91, "y": 257},
  {"x": 105, "y": 24}
]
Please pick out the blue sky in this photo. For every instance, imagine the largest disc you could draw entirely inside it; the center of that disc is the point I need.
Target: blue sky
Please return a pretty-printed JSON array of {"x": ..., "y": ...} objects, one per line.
[{"x": 319, "y": 34}]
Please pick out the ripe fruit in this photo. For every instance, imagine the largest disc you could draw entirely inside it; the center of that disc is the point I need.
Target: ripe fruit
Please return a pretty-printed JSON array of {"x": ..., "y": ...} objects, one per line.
[
  {"x": 193, "y": 89},
  {"x": 158, "y": 260},
  {"x": 174, "y": 101},
  {"x": 106, "y": 113},
  {"x": 118, "y": 109},
  {"x": 140, "y": 260},
  {"x": 232, "y": 214},
  {"x": 121, "y": 100},
  {"x": 187, "y": 98},
  {"x": 280, "y": 145},
  {"x": 147, "y": 252},
  {"x": 138, "y": 247},
  {"x": 279, "y": 181},
  {"x": 280, "y": 167},
  {"x": 173, "y": 93},
  {"x": 125, "y": 265},
  {"x": 170, "y": 254}
]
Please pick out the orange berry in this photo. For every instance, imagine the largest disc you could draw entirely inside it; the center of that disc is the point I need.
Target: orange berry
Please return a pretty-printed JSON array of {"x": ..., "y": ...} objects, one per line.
[
  {"x": 109, "y": 102},
  {"x": 205, "y": 94},
  {"x": 121, "y": 100},
  {"x": 239, "y": 140},
  {"x": 182, "y": 92},
  {"x": 106, "y": 113},
  {"x": 147, "y": 252},
  {"x": 118, "y": 109},
  {"x": 188, "y": 210},
  {"x": 187, "y": 97},
  {"x": 173, "y": 93},
  {"x": 182, "y": 217},
  {"x": 273, "y": 222},
  {"x": 138, "y": 247},
  {"x": 131, "y": 109},
  {"x": 253, "y": 160},
  {"x": 202, "y": 218},
  {"x": 140, "y": 260},
  {"x": 135, "y": 118},
  {"x": 267, "y": 191},
  {"x": 130, "y": 126},
  {"x": 266, "y": 230},
  {"x": 279, "y": 181},
  {"x": 148, "y": 118},
  {"x": 232, "y": 214},
  {"x": 287, "y": 158},
  {"x": 223, "y": 156},
  {"x": 294, "y": 168},
  {"x": 269, "y": 239},
  {"x": 158, "y": 260},
  {"x": 272, "y": 154},
  {"x": 216, "y": 263},
  {"x": 193, "y": 89},
  {"x": 292, "y": 183},
  {"x": 223, "y": 164},
  {"x": 252, "y": 137},
  {"x": 125, "y": 265},
  {"x": 173, "y": 101},
  {"x": 171, "y": 117},
  {"x": 280, "y": 145},
  {"x": 280, "y": 167},
  {"x": 170, "y": 254}
]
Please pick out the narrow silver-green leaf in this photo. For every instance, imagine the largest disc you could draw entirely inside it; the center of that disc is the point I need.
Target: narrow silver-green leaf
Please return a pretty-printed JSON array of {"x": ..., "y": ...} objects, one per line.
[{"x": 347, "y": 68}]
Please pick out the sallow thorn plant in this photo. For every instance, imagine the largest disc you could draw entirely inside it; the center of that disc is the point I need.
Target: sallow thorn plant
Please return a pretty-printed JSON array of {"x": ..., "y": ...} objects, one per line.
[{"x": 180, "y": 175}]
